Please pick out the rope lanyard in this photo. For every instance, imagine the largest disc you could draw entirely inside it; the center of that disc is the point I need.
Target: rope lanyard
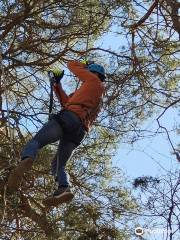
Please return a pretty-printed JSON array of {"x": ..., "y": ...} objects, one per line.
[
  {"x": 51, "y": 76},
  {"x": 87, "y": 39},
  {"x": 88, "y": 36},
  {"x": 51, "y": 88}
]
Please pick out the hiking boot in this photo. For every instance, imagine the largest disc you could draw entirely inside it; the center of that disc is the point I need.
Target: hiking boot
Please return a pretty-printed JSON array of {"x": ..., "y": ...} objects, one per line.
[
  {"x": 61, "y": 195},
  {"x": 17, "y": 174}
]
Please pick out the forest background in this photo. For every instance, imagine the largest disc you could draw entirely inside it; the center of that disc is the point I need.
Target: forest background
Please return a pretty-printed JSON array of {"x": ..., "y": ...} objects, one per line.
[{"x": 117, "y": 190}]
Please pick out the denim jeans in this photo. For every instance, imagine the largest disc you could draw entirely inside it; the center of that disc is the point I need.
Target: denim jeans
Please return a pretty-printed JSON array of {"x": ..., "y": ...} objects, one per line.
[{"x": 68, "y": 129}]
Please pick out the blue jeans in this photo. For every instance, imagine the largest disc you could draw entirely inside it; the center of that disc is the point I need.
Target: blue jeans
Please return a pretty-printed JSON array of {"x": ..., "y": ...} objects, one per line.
[{"x": 68, "y": 129}]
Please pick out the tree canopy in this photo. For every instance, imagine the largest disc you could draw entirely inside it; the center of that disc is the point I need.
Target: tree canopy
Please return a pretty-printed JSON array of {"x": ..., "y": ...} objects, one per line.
[{"x": 142, "y": 67}]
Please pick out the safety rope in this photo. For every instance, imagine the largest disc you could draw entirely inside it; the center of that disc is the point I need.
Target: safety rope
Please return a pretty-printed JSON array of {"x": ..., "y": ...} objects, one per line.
[
  {"x": 51, "y": 76},
  {"x": 51, "y": 93},
  {"x": 51, "y": 87},
  {"x": 87, "y": 39},
  {"x": 88, "y": 36}
]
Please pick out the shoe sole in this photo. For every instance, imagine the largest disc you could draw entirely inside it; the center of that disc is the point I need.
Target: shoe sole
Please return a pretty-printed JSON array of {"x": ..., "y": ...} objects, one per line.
[{"x": 57, "y": 200}]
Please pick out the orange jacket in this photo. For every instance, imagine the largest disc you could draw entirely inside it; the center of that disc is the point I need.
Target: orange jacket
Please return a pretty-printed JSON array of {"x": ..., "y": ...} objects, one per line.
[{"x": 85, "y": 101}]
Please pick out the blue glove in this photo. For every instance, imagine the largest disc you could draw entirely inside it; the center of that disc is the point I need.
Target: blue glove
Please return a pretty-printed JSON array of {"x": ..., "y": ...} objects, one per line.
[{"x": 56, "y": 75}]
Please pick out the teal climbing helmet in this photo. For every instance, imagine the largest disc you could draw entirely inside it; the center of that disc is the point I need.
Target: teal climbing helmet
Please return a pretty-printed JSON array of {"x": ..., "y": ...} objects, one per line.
[{"x": 97, "y": 68}]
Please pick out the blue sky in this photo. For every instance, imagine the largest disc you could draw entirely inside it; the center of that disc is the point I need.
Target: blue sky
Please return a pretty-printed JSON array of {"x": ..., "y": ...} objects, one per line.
[{"x": 150, "y": 155}]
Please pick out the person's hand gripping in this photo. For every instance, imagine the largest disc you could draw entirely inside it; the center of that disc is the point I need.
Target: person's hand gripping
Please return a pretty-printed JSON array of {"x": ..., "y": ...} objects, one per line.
[{"x": 56, "y": 75}]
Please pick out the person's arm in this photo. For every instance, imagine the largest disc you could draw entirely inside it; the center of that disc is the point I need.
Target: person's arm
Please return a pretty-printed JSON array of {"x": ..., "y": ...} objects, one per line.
[
  {"x": 81, "y": 71},
  {"x": 60, "y": 94}
]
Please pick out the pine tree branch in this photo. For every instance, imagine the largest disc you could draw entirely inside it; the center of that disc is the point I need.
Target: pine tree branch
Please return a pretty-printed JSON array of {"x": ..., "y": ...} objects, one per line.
[
  {"x": 39, "y": 219},
  {"x": 145, "y": 17},
  {"x": 174, "y": 5}
]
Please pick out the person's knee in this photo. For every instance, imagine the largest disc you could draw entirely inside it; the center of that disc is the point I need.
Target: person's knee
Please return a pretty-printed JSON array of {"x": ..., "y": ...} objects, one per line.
[
  {"x": 30, "y": 149},
  {"x": 49, "y": 133}
]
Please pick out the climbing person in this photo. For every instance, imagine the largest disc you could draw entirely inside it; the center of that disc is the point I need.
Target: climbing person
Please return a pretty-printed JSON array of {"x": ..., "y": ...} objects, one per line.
[{"x": 79, "y": 110}]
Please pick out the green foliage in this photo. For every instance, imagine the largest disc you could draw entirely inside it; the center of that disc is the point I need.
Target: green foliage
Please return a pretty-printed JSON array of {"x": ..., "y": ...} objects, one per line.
[
  {"x": 145, "y": 182},
  {"x": 142, "y": 78}
]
